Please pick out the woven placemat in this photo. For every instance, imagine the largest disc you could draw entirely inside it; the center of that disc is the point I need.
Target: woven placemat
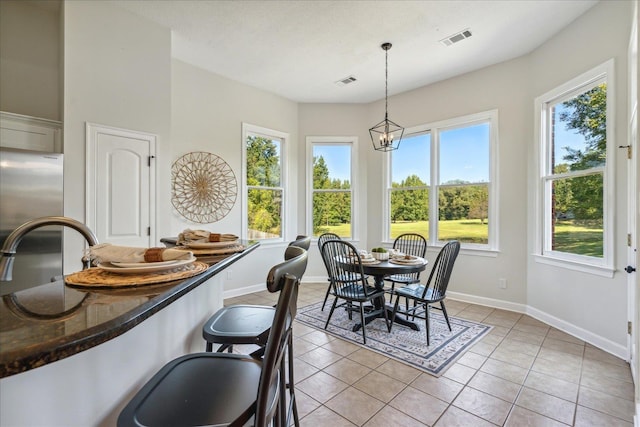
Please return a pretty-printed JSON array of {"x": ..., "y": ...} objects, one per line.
[{"x": 98, "y": 278}]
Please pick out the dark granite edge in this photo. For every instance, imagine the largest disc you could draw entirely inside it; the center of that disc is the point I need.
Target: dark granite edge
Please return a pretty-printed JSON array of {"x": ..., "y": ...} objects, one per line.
[{"x": 16, "y": 362}]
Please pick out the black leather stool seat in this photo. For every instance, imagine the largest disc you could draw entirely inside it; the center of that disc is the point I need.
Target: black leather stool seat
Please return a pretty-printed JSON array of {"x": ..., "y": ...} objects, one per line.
[
  {"x": 198, "y": 389},
  {"x": 238, "y": 324}
]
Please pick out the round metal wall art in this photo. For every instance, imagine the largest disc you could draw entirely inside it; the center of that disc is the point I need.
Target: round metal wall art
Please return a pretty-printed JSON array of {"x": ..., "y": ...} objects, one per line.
[{"x": 204, "y": 188}]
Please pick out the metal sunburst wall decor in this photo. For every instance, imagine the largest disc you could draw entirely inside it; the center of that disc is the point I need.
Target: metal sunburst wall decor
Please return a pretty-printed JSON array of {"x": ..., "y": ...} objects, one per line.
[{"x": 204, "y": 188}]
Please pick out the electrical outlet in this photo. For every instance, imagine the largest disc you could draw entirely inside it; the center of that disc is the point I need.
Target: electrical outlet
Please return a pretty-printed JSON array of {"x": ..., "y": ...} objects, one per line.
[{"x": 502, "y": 283}]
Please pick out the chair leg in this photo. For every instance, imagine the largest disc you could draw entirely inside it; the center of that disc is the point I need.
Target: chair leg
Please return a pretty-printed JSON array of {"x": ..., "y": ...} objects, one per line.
[
  {"x": 282, "y": 404},
  {"x": 386, "y": 317},
  {"x": 393, "y": 314},
  {"x": 222, "y": 348},
  {"x": 326, "y": 296},
  {"x": 364, "y": 334},
  {"x": 333, "y": 307},
  {"x": 426, "y": 319},
  {"x": 446, "y": 316},
  {"x": 209, "y": 347}
]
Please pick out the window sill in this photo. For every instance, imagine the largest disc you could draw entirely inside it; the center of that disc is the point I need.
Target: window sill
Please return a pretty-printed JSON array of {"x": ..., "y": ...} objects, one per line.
[
  {"x": 472, "y": 251},
  {"x": 598, "y": 270}
]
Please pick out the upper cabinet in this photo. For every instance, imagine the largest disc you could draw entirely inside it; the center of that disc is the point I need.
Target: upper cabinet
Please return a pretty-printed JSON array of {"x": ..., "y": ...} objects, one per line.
[{"x": 30, "y": 133}]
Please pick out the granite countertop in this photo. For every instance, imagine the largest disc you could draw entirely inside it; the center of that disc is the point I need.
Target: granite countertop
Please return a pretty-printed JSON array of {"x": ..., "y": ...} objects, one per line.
[{"x": 52, "y": 321}]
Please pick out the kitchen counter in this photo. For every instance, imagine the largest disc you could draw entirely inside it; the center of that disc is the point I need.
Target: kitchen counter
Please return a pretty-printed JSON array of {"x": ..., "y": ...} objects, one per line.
[{"x": 53, "y": 321}]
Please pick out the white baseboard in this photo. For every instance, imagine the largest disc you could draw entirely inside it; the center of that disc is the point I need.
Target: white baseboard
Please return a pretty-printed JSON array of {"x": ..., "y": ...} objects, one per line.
[
  {"x": 263, "y": 286},
  {"x": 245, "y": 290},
  {"x": 489, "y": 302},
  {"x": 593, "y": 339}
]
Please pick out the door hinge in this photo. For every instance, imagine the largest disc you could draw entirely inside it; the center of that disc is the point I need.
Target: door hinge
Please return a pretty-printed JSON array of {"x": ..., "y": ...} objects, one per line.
[
  {"x": 629, "y": 239},
  {"x": 629, "y": 328},
  {"x": 149, "y": 160},
  {"x": 148, "y": 231}
]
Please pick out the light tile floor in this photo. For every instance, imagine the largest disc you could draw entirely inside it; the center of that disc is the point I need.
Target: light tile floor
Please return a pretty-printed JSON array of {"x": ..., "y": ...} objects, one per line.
[{"x": 524, "y": 373}]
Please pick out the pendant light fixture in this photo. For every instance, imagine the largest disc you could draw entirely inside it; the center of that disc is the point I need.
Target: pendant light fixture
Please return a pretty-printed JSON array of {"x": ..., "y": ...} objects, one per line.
[{"x": 386, "y": 135}]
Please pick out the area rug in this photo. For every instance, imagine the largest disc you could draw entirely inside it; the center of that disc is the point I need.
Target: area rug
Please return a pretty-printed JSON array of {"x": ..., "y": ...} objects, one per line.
[{"x": 403, "y": 344}]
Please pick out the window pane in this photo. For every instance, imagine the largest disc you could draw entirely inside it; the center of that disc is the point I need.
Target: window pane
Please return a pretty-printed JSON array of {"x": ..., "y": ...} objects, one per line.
[
  {"x": 263, "y": 161},
  {"x": 579, "y": 138},
  {"x": 332, "y": 213},
  {"x": 463, "y": 213},
  {"x": 464, "y": 154},
  {"x": 409, "y": 212},
  {"x": 410, "y": 164},
  {"x": 577, "y": 209},
  {"x": 265, "y": 213},
  {"x": 331, "y": 166}
]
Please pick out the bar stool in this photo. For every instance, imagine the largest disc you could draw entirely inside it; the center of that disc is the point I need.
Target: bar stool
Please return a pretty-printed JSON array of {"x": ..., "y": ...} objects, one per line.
[
  {"x": 251, "y": 324},
  {"x": 221, "y": 388}
]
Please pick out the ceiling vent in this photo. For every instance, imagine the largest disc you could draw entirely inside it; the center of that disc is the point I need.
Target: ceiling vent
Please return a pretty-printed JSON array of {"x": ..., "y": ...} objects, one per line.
[
  {"x": 455, "y": 38},
  {"x": 346, "y": 81}
]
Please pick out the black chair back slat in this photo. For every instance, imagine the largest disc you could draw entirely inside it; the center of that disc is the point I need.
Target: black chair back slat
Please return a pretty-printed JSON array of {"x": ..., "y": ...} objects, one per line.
[
  {"x": 348, "y": 283},
  {"x": 411, "y": 244},
  {"x": 441, "y": 272}
]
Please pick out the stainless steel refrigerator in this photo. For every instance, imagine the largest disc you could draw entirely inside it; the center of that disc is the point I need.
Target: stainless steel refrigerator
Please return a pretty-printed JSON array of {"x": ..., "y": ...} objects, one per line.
[{"x": 31, "y": 186}]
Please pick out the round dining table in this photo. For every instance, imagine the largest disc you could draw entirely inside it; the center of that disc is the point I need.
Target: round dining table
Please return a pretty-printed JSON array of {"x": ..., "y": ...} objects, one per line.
[{"x": 379, "y": 271}]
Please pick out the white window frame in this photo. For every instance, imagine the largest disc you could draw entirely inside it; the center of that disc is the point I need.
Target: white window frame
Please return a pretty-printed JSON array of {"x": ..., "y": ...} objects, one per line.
[
  {"x": 253, "y": 130},
  {"x": 351, "y": 141},
  {"x": 491, "y": 117},
  {"x": 542, "y": 251}
]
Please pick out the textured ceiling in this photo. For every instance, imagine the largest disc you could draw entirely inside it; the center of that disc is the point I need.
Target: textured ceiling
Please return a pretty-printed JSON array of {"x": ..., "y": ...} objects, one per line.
[{"x": 299, "y": 49}]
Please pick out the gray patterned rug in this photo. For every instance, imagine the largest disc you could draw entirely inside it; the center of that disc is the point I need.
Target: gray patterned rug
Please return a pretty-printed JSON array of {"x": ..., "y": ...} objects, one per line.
[{"x": 403, "y": 344}]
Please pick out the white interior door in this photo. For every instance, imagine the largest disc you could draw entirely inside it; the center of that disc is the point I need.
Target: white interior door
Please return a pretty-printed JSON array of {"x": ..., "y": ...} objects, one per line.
[{"x": 121, "y": 186}]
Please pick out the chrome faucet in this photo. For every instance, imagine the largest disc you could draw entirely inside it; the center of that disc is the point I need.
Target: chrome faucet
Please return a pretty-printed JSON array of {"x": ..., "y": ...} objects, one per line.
[{"x": 13, "y": 240}]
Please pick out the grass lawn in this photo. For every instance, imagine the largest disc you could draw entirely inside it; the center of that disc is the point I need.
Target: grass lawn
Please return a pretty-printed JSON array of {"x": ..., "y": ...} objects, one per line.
[{"x": 580, "y": 239}]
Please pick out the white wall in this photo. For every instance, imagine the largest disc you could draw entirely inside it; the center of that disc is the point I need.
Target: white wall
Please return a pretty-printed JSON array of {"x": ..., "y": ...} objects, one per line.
[
  {"x": 592, "y": 306},
  {"x": 117, "y": 73},
  {"x": 30, "y": 59},
  {"x": 338, "y": 120},
  {"x": 206, "y": 115}
]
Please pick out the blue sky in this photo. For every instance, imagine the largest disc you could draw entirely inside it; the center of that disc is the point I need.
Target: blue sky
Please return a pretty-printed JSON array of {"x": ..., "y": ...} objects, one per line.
[
  {"x": 338, "y": 159},
  {"x": 464, "y": 154}
]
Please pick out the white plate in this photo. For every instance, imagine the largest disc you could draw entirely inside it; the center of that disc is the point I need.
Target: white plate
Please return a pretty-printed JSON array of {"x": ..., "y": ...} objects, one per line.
[
  {"x": 142, "y": 264},
  {"x": 413, "y": 261},
  {"x": 150, "y": 267},
  {"x": 209, "y": 245}
]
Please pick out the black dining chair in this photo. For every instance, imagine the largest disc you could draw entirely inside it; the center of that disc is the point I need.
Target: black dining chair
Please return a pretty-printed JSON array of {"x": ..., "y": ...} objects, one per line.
[
  {"x": 321, "y": 239},
  {"x": 434, "y": 291},
  {"x": 223, "y": 389},
  {"x": 348, "y": 281},
  {"x": 409, "y": 244}
]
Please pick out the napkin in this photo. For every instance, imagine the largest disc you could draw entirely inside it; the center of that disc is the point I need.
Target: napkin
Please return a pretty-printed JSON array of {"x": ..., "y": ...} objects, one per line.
[
  {"x": 106, "y": 252},
  {"x": 204, "y": 236}
]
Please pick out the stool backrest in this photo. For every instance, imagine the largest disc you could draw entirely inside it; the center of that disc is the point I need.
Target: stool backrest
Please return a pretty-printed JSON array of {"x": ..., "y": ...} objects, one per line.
[
  {"x": 279, "y": 337},
  {"x": 301, "y": 241},
  {"x": 295, "y": 263}
]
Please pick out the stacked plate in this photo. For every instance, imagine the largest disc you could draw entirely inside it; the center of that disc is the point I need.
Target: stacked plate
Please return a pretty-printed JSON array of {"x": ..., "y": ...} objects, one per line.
[
  {"x": 407, "y": 260},
  {"x": 226, "y": 240},
  {"x": 144, "y": 267}
]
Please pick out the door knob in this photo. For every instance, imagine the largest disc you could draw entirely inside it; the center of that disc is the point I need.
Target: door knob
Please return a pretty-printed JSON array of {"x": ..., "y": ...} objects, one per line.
[{"x": 629, "y": 269}]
